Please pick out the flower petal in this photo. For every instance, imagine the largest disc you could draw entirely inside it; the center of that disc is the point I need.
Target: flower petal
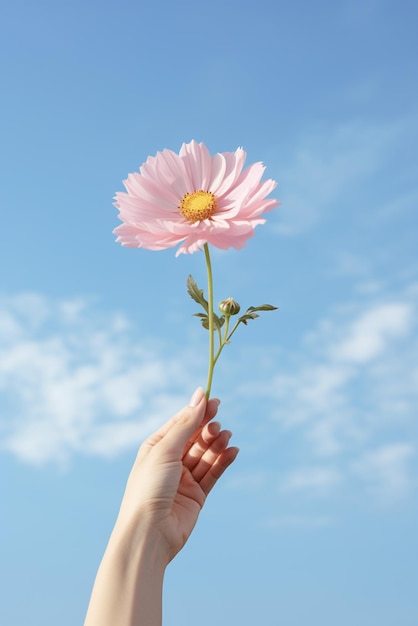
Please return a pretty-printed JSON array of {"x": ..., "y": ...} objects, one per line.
[
  {"x": 197, "y": 161},
  {"x": 150, "y": 208},
  {"x": 234, "y": 164}
]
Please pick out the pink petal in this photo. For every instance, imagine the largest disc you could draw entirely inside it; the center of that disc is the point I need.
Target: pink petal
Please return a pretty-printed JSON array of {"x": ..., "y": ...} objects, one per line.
[
  {"x": 150, "y": 213},
  {"x": 197, "y": 160},
  {"x": 234, "y": 164}
]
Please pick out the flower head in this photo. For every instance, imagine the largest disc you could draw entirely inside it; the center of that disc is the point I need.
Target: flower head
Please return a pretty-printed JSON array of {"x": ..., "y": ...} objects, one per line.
[
  {"x": 229, "y": 307},
  {"x": 193, "y": 198}
]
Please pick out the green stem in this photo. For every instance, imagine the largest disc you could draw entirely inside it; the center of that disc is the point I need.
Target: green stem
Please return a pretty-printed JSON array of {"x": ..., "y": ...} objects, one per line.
[
  {"x": 233, "y": 330},
  {"x": 222, "y": 340},
  {"x": 211, "y": 324}
]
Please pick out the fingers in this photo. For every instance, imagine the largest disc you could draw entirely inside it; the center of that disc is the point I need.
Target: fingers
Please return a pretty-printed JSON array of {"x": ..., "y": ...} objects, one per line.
[
  {"x": 211, "y": 410},
  {"x": 191, "y": 436},
  {"x": 173, "y": 436},
  {"x": 182, "y": 418},
  {"x": 163, "y": 430},
  {"x": 204, "y": 450},
  {"x": 215, "y": 471},
  {"x": 209, "y": 456}
]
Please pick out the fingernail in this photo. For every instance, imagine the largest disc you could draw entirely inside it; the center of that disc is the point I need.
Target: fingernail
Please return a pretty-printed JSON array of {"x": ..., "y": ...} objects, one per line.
[
  {"x": 214, "y": 428},
  {"x": 196, "y": 397}
]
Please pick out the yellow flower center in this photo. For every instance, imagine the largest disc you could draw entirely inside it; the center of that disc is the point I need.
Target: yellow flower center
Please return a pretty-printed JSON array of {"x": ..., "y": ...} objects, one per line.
[{"x": 198, "y": 206}]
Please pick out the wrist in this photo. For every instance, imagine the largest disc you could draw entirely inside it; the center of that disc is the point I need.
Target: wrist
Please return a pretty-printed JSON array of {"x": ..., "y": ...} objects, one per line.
[
  {"x": 139, "y": 543},
  {"x": 128, "y": 586}
]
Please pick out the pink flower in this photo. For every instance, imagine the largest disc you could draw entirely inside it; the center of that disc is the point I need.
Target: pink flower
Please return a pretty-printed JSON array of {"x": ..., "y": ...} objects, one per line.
[{"x": 194, "y": 198}]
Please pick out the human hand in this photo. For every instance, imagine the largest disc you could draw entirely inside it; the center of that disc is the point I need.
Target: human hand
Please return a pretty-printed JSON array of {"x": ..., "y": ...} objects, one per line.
[{"x": 173, "y": 473}]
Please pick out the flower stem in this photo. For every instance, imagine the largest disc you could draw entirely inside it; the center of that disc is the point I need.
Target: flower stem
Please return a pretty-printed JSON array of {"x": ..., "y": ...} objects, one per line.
[{"x": 211, "y": 324}]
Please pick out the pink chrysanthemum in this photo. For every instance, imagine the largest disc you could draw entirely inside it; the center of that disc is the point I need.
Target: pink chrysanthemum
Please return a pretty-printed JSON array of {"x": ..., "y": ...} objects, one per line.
[{"x": 194, "y": 198}]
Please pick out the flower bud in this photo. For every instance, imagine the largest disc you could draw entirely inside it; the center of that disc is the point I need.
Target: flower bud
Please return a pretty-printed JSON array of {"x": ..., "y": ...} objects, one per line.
[{"x": 229, "y": 307}]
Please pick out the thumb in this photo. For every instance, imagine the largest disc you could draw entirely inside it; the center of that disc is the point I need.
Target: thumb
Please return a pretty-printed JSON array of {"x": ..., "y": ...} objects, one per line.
[{"x": 184, "y": 425}]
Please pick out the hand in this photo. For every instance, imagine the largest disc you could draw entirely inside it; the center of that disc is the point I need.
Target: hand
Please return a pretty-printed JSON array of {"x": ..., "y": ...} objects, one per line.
[{"x": 174, "y": 471}]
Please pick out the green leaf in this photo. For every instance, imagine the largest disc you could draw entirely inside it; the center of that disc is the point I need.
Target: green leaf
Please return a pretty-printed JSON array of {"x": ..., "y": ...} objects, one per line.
[
  {"x": 250, "y": 313},
  {"x": 218, "y": 321},
  {"x": 204, "y": 318},
  {"x": 262, "y": 307},
  {"x": 196, "y": 294},
  {"x": 247, "y": 316}
]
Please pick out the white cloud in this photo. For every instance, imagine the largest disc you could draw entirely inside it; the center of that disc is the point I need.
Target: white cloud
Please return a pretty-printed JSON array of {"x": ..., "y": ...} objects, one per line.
[
  {"x": 385, "y": 470},
  {"x": 348, "y": 395},
  {"x": 370, "y": 333},
  {"x": 311, "y": 478},
  {"x": 73, "y": 381},
  {"x": 249, "y": 481},
  {"x": 330, "y": 163},
  {"x": 299, "y": 522},
  {"x": 351, "y": 353}
]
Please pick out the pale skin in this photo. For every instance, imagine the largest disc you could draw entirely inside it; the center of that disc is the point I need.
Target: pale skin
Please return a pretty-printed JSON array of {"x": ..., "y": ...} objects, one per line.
[{"x": 173, "y": 473}]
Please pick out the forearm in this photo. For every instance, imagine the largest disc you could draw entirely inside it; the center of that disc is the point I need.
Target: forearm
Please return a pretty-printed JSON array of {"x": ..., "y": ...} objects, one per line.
[{"x": 128, "y": 586}]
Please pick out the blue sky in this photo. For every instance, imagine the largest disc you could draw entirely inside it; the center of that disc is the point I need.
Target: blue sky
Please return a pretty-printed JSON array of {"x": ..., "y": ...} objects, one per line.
[{"x": 316, "y": 522}]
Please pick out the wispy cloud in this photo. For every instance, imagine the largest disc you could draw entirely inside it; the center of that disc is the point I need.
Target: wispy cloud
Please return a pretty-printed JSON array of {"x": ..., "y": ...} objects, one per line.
[
  {"x": 73, "y": 381},
  {"x": 348, "y": 396},
  {"x": 369, "y": 335},
  {"x": 332, "y": 161},
  {"x": 385, "y": 470},
  {"x": 299, "y": 522},
  {"x": 317, "y": 478},
  {"x": 350, "y": 356}
]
